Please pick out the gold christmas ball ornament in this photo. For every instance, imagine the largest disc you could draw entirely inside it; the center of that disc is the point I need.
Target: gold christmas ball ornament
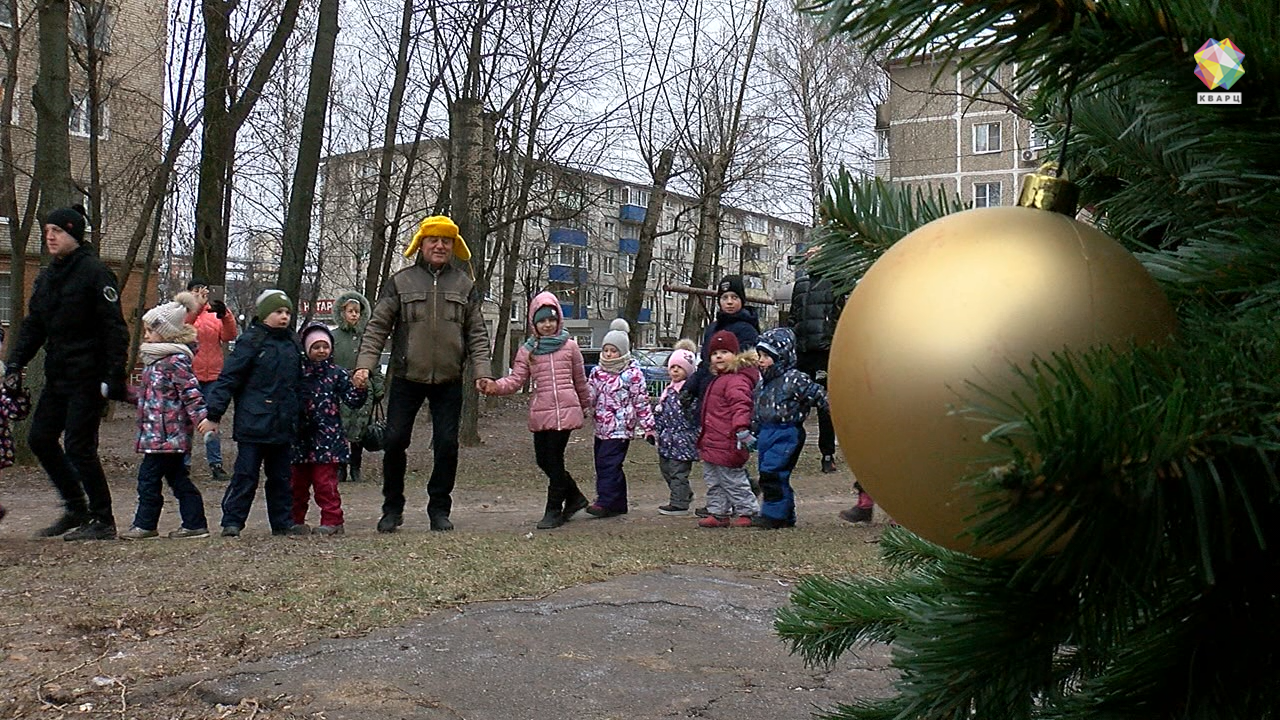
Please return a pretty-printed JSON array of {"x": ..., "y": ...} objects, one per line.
[{"x": 961, "y": 299}]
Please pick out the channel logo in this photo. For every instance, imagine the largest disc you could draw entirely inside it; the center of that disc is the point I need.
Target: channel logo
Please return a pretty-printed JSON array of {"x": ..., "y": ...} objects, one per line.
[{"x": 1219, "y": 65}]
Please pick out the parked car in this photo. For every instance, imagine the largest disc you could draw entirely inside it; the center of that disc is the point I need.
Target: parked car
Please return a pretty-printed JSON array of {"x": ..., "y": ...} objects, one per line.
[{"x": 652, "y": 361}]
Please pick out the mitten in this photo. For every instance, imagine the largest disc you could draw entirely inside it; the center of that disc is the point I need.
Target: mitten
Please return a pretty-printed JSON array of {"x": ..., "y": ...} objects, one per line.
[
  {"x": 746, "y": 441},
  {"x": 219, "y": 308}
]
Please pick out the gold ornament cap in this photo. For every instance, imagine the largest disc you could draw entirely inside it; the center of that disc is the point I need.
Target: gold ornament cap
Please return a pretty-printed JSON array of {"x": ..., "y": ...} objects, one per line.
[{"x": 1045, "y": 189}]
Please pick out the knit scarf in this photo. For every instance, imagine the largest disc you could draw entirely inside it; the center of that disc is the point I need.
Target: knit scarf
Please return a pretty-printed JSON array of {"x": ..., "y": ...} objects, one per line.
[
  {"x": 545, "y": 344},
  {"x": 616, "y": 365},
  {"x": 152, "y": 352}
]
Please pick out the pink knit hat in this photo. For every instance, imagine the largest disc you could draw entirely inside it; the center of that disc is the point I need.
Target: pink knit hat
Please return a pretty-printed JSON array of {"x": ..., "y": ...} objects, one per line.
[{"x": 682, "y": 359}]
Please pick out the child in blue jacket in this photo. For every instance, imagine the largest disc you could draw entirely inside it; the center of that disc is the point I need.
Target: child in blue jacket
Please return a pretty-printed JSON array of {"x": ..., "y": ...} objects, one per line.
[
  {"x": 782, "y": 402},
  {"x": 321, "y": 447},
  {"x": 264, "y": 375}
]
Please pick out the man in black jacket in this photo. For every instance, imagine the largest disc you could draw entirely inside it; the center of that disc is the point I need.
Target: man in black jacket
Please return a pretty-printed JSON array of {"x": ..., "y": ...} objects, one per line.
[
  {"x": 815, "y": 310},
  {"x": 74, "y": 313}
]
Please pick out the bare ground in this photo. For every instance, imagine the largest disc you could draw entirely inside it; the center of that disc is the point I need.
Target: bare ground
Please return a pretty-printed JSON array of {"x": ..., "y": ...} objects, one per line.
[{"x": 85, "y": 626}]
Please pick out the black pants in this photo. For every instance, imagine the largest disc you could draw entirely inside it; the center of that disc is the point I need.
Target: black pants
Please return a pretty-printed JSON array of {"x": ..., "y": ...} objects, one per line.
[
  {"x": 72, "y": 415},
  {"x": 810, "y": 363},
  {"x": 273, "y": 460},
  {"x": 548, "y": 450},
  {"x": 404, "y": 401}
]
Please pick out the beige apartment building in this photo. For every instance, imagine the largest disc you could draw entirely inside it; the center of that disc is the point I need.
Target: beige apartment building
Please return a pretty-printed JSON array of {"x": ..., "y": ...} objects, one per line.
[
  {"x": 942, "y": 127},
  {"x": 130, "y": 37},
  {"x": 586, "y": 256}
]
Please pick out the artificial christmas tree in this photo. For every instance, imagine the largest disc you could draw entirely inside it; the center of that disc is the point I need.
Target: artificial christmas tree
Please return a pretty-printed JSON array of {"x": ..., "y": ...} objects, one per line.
[{"x": 1156, "y": 464}]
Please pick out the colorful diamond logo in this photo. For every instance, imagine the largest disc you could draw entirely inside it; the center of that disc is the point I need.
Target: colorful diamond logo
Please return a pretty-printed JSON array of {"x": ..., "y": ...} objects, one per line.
[{"x": 1219, "y": 64}]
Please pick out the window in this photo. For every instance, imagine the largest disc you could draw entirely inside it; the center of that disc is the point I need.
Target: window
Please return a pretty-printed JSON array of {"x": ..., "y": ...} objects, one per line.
[
  {"x": 986, "y": 137},
  {"x": 568, "y": 255},
  {"x": 4, "y": 89},
  {"x": 1037, "y": 139},
  {"x": 515, "y": 309},
  {"x": 628, "y": 263},
  {"x": 778, "y": 272},
  {"x": 5, "y": 299},
  {"x": 986, "y": 194},
  {"x": 882, "y": 143},
  {"x": 651, "y": 336},
  {"x": 606, "y": 265},
  {"x": 607, "y": 300},
  {"x": 610, "y": 230},
  {"x": 666, "y": 320},
  {"x": 756, "y": 224},
  {"x": 97, "y": 15},
  {"x": 6, "y": 15},
  {"x": 610, "y": 196},
  {"x": 78, "y": 124},
  {"x": 979, "y": 84}
]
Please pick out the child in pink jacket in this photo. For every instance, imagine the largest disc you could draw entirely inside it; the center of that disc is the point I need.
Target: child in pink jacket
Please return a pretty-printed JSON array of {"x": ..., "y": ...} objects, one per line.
[{"x": 558, "y": 403}]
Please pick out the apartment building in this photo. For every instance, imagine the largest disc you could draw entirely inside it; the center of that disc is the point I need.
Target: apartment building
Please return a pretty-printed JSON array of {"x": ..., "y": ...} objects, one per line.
[
  {"x": 943, "y": 127},
  {"x": 583, "y": 247},
  {"x": 130, "y": 37}
]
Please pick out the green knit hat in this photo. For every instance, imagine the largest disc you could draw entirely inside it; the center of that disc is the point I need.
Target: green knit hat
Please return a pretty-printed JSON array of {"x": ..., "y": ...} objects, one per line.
[{"x": 270, "y": 301}]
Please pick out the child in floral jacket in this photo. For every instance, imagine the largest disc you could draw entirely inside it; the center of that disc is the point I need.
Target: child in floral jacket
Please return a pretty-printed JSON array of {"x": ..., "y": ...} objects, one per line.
[
  {"x": 169, "y": 408},
  {"x": 15, "y": 405},
  {"x": 621, "y": 408},
  {"x": 677, "y": 431},
  {"x": 321, "y": 447}
]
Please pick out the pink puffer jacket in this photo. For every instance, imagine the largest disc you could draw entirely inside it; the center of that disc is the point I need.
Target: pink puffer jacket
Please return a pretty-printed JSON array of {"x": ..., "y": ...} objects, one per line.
[{"x": 560, "y": 384}]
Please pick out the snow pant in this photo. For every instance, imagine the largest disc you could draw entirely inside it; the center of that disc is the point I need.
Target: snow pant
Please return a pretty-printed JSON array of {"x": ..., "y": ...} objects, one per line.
[
  {"x": 779, "y": 448},
  {"x": 611, "y": 481},
  {"x": 676, "y": 473},
  {"x": 728, "y": 491},
  {"x": 252, "y": 458},
  {"x": 404, "y": 400},
  {"x": 155, "y": 470},
  {"x": 72, "y": 414},
  {"x": 324, "y": 478}
]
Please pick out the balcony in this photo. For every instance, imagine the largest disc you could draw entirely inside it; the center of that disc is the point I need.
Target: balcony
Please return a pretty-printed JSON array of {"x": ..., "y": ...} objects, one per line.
[
  {"x": 630, "y": 246},
  {"x": 571, "y": 310},
  {"x": 750, "y": 238},
  {"x": 646, "y": 315},
  {"x": 759, "y": 268},
  {"x": 567, "y": 274},
  {"x": 568, "y": 236},
  {"x": 631, "y": 214}
]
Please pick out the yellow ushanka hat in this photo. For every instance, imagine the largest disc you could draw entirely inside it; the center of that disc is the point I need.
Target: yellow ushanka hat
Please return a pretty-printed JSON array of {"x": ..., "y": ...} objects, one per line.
[{"x": 439, "y": 226}]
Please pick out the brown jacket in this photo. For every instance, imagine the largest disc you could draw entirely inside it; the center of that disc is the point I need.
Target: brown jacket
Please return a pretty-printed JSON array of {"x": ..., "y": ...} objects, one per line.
[{"x": 434, "y": 325}]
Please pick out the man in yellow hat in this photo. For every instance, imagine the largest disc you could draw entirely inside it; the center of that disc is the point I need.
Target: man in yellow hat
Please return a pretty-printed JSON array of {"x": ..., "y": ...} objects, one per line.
[{"x": 431, "y": 312}]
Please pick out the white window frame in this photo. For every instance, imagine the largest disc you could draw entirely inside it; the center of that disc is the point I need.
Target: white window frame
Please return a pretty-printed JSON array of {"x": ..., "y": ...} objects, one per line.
[
  {"x": 982, "y": 138},
  {"x": 882, "y": 144},
  {"x": 607, "y": 299},
  {"x": 628, "y": 263},
  {"x": 986, "y": 194},
  {"x": 606, "y": 265},
  {"x": 78, "y": 121},
  {"x": 76, "y": 30}
]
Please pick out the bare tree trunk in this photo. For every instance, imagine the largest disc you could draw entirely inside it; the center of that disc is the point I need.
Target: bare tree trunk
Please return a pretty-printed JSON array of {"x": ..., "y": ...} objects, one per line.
[
  {"x": 467, "y": 150},
  {"x": 297, "y": 225},
  {"x": 52, "y": 99},
  {"x": 378, "y": 245},
  {"x": 648, "y": 231},
  {"x": 707, "y": 244}
]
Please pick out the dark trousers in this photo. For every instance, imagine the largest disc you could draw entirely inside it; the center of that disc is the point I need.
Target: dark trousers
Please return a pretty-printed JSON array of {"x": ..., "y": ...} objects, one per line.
[
  {"x": 251, "y": 458},
  {"x": 72, "y": 415},
  {"x": 611, "y": 481},
  {"x": 404, "y": 401},
  {"x": 548, "y": 450},
  {"x": 811, "y": 363},
  {"x": 156, "y": 469},
  {"x": 357, "y": 454},
  {"x": 779, "y": 447},
  {"x": 324, "y": 478}
]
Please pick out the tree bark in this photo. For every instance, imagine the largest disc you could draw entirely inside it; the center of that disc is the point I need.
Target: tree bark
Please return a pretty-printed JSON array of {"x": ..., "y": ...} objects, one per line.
[
  {"x": 52, "y": 99},
  {"x": 378, "y": 244},
  {"x": 297, "y": 225},
  {"x": 467, "y": 151},
  {"x": 648, "y": 231},
  {"x": 708, "y": 243}
]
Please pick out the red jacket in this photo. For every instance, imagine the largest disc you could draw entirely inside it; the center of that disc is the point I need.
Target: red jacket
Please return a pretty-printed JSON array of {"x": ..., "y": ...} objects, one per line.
[
  {"x": 211, "y": 333},
  {"x": 560, "y": 383},
  {"x": 726, "y": 409}
]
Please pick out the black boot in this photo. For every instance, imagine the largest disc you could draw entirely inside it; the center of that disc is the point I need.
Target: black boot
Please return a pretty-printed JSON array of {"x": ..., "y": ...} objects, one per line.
[
  {"x": 354, "y": 476},
  {"x": 92, "y": 530},
  {"x": 390, "y": 522},
  {"x": 574, "y": 504},
  {"x": 551, "y": 520},
  {"x": 217, "y": 474},
  {"x": 70, "y": 520},
  {"x": 342, "y": 473}
]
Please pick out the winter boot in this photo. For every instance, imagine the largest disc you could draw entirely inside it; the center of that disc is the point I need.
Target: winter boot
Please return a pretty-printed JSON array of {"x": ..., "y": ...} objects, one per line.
[
  {"x": 217, "y": 474},
  {"x": 70, "y": 520}
]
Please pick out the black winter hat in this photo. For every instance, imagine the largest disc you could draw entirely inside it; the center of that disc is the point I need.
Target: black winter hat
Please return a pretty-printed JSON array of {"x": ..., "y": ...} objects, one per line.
[
  {"x": 196, "y": 283},
  {"x": 72, "y": 219},
  {"x": 733, "y": 284}
]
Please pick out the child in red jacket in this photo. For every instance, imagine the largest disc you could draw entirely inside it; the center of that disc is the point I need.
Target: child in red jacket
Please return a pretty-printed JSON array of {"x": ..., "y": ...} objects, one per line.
[{"x": 722, "y": 442}]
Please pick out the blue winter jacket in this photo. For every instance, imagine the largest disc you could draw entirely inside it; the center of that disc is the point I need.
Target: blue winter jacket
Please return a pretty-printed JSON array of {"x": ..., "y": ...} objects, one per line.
[
  {"x": 264, "y": 376},
  {"x": 785, "y": 395},
  {"x": 677, "y": 430}
]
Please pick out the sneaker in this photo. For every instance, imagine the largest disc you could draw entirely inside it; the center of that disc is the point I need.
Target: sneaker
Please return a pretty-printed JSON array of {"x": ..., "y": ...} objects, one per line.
[
  {"x": 329, "y": 530},
  {"x": 295, "y": 529},
  {"x": 551, "y": 520},
  {"x": 828, "y": 463},
  {"x": 68, "y": 522},
  {"x": 92, "y": 530},
  {"x": 715, "y": 521},
  {"x": 137, "y": 533},
  {"x": 231, "y": 530},
  {"x": 441, "y": 523},
  {"x": 184, "y": 533},
  {"x": 741, "y": 521},
  {"x": 217, "y": 474},
  {"x": 571, "y": 507},
  {"x": 603, "y": 512},
  {"x": 389, "y": 522},
  {"x": 702, "y": 512},
  {"x": 856, "y": 515},
  {"x": 673, "y": 510},
  {"x": 767, "y": 523}
]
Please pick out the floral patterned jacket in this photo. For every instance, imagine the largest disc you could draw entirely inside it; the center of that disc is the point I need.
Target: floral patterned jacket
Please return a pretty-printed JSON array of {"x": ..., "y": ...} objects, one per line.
[
  {"x": 320, "y": 439},
  {"x": 677, "y": 429},
  {"x": 620, "y": 402},
  {"x": 15, "y": 405},
  {"x": 169, "y": 405}
]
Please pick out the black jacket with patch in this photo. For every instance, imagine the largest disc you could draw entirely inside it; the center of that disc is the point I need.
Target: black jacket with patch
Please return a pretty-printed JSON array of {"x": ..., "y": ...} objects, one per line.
[{"x": 75, "y": 315}]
